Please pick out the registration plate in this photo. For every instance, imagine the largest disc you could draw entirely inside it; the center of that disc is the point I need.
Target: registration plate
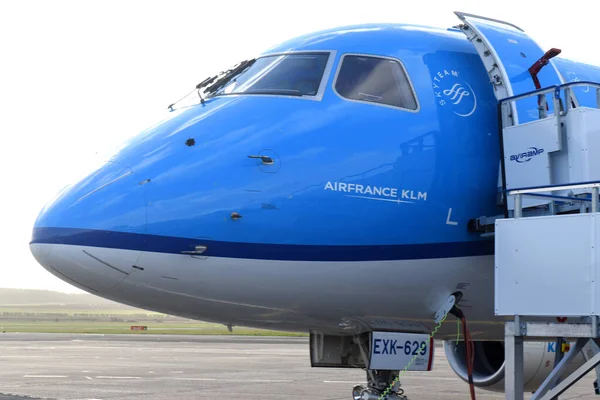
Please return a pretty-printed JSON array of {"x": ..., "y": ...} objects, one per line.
[{"x": 395, "y": 351}]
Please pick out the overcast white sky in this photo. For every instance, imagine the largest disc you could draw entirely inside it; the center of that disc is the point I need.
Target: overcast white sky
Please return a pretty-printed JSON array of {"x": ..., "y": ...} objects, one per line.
[{"x": 78, "y": 77}]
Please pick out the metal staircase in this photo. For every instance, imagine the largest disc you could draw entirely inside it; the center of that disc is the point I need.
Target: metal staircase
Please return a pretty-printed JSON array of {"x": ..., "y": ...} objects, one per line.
[
  {"x": 547, "y": 243},
  {"x": 547, "y": 258}
]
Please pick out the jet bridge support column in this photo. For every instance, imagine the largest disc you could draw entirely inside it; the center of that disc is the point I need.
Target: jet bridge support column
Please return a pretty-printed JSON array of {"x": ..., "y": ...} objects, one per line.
[{"x": 513, "y": 354}]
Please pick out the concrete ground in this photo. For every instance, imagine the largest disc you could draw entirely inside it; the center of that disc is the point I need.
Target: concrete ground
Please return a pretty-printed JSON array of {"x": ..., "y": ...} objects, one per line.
[{"x": 94, "y": 367}]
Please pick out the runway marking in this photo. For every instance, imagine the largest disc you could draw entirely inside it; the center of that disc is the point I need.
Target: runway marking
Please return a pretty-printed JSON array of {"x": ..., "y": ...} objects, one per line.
[
  {"x": 196, "y": 379},
  {"x": 21, "y": 356},
  {"x": 87, "y": 377},
  {"x": 237, "y": 380},
  {"x": 45, "y": 376},
  {"x": 436, "y": 378},
  {"x": 117, "y": 377},
  {"x": 412, "y": 379}
]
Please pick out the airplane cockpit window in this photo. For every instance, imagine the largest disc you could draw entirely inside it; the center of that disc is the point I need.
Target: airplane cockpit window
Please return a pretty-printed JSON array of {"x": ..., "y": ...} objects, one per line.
[
  {"x": 375, "y": 80},
  {"x": 294, "y": 74}
]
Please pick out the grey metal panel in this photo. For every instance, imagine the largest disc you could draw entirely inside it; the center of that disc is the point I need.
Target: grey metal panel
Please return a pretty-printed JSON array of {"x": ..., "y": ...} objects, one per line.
[
  {"x": 527, "y": 149},
  {"x": 553, "y": 330},
  {"x": 525, "y": 167},
  {"x": 578, "y": 161},
  {"x": 584, "y": 144},
  {"x": 595, "y": 265},
  {"x": 545, "y": 265}
]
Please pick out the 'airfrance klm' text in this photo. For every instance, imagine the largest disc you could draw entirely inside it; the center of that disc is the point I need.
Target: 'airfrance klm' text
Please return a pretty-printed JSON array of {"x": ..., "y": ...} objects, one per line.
[{"x": 379, "y": 191}]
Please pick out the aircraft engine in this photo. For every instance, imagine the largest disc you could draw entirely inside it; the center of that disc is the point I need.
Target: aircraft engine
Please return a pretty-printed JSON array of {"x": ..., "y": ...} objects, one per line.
[{"x": 488, "y": 370}]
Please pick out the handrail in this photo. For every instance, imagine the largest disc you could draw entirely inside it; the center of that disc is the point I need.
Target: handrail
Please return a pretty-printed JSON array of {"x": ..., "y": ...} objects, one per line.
[
  {"x": 545, "y": 188},
  {"x": 549, "y": 89},
  {"x": 534, "y": 191},
  {"x": 554, "y": 197},
  {"x": 506, "y": 120}
]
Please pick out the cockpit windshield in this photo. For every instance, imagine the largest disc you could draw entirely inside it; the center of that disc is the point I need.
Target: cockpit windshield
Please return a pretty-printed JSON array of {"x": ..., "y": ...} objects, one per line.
[
  {"x": 292, "y": 74},
  {"x": 296, "y": 74}
]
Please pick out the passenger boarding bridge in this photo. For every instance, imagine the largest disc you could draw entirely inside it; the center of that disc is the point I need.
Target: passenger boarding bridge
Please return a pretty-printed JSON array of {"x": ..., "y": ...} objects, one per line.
[{"x": 547, "y": 245}]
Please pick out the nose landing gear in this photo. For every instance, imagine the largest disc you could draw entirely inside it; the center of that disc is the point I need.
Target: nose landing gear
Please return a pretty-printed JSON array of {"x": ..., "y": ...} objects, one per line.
[{"x": 381, "y": 385}]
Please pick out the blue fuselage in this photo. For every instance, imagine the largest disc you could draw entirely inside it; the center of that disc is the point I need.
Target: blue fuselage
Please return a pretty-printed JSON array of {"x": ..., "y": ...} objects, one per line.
[
  {"x": 351, "y": 183},
  {"x": 325, "y": 152}
]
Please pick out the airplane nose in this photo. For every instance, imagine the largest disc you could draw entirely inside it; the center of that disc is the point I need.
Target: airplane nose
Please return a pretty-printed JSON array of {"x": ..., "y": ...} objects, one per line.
[
  {"x": 82, "y": 236},
  {"x": 89, "y": 268}
]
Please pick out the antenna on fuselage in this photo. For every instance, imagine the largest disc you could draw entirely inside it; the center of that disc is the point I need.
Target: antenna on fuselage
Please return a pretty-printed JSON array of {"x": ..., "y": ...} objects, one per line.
[{"x": 170, "y": 107}]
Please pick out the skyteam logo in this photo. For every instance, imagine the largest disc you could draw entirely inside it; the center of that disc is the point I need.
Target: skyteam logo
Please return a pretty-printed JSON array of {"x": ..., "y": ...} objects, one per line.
[
  {"x": 457, "y": 92},
  {"x": 452, "y": 91},
  {"x": 526, "y": 155}
]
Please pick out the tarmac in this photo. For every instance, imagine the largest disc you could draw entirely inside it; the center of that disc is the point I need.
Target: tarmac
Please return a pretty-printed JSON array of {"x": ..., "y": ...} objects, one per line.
[{"x": 102, "y": 367}]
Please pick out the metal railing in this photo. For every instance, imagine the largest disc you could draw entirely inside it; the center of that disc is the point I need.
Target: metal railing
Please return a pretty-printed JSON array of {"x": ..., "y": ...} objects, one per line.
[
  {"x": 537, "y": 191},
  {"x": 508, "y": 104},
  {"x": 507, "y": 109}
]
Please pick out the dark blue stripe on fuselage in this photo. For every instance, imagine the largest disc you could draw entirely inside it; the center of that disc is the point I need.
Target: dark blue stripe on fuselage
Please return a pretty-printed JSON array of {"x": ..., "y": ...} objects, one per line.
[{"x": 176, "y": 245}]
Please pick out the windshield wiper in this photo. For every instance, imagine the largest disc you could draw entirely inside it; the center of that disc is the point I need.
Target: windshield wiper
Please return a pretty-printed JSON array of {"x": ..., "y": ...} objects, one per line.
[{"x": 216, "y": 82}]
